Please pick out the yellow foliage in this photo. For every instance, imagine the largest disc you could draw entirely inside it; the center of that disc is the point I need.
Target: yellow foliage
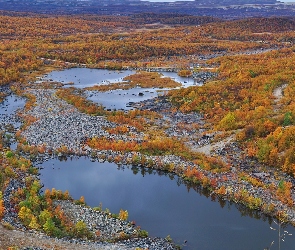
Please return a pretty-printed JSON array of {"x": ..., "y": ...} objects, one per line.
[
  {"x": 228, "y": 122},
  {"x": 34, "y": 224},
  {"x": 123, "y": 215},
  {"x": 44, "y": 216},
  {"x": 25, "y": 214}
]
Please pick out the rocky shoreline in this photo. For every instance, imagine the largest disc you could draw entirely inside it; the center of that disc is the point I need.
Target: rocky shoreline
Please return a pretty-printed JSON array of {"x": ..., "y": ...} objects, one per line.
[
  {"x": 113, "y": 233},
  {"x": 62, "y": 125},
  {"x": 59, "y": 125}
]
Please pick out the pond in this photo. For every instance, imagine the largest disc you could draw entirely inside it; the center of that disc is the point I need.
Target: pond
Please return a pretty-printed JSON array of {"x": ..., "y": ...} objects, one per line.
[
  {"x": 8, "y": 108},
  {"x": 8, "y": 119},
  {"x": 115, "y": 99},
  {"x": 85, "y": 77},
  {"x": 163, "y": 205}
]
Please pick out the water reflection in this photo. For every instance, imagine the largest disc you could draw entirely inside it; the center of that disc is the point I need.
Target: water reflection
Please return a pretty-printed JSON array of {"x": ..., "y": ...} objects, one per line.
[
  {"x": 164, "y": 205},
  {"x": 119, "y": 99},
  {"x": 84, "y": 77},
  {"x": 115, "y": 99}
]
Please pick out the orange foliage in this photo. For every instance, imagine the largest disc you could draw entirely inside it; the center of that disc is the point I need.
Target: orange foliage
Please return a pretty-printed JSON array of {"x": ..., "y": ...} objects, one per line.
[
  {"x": 284, "y": 193},
  {"x": 150, "y": 80},
  {"x": 2, "y": 208},
  {"x": 221, "y": 190},
  {"x": 80, "y": 102}
]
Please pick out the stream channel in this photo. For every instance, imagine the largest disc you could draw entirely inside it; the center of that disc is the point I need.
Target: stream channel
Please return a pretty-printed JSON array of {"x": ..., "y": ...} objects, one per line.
[{"x": 157, "y": 201}]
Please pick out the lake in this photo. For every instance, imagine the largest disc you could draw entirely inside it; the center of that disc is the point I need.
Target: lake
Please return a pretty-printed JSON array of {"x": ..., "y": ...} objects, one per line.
[{"x": 163, "y": 205}]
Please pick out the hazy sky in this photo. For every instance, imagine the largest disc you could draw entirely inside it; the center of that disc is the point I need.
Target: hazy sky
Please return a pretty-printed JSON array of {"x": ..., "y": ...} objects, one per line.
[
  {"x": 168, "y": 0},
  {"x": 286, "y": 1}
]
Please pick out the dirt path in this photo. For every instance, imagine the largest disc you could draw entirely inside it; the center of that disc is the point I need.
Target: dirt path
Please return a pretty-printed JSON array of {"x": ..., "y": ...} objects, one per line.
[
  {"x": 278, "y": 93},
  {"x": 207, "y": 149}
]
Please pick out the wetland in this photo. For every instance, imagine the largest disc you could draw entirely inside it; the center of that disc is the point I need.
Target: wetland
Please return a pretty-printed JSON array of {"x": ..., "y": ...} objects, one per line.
[{"x": 160, "y": 202}]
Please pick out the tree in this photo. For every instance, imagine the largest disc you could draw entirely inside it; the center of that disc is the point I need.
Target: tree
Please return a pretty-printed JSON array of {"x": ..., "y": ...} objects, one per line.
[{"x": 228, "y": 122}]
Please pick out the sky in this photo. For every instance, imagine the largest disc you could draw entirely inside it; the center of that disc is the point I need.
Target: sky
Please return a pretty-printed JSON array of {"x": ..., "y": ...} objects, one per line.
[
  {"x": 169, "y": 0},
  {"x": 286, "y": 1}
]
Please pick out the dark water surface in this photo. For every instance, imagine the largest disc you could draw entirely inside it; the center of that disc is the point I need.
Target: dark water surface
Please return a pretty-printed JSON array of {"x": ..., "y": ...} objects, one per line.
[{"x": 163, "y": 206}]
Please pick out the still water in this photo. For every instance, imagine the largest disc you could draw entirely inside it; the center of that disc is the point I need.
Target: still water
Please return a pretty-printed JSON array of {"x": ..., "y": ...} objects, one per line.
[
  {"x": 9, "y": 107},
  {"x": 164, "y": 205},
  {"x": 85, "y": 77},
  {"x": 8, "y": 110},
  {"x": 115, "y": 99}
]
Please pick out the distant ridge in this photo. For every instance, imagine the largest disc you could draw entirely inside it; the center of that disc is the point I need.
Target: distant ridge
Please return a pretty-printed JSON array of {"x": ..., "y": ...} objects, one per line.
[{"x": 226, "y": 9}]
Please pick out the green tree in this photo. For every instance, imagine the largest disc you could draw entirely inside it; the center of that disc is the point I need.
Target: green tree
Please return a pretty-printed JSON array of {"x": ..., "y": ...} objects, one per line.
[
  {"x": 44, "y": 216},
  {"x": 49, "y": 227},
  {"x": 288, "y": 119},
  {"x": 228, "y": 122},
  {"x": 81, "y": 230}
]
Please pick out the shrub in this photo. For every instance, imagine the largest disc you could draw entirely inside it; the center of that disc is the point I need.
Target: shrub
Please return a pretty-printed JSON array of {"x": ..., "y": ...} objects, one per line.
[
  {"x": 44, "y": 216},
  {"x": 9, "y": 154},
  {"x": 123, "y": 215},
  {"x": 34, "y": 224},
  {"x": 25, "y": 214},
  {"x": 81, "y": 230},
  {"x": 49, "y": 227},
  {"x": 228, "y": 122},
  {"x": 143, "y": 234},
  {"x": 288, "y": 119},
  {"x": 81, "y": 201}
]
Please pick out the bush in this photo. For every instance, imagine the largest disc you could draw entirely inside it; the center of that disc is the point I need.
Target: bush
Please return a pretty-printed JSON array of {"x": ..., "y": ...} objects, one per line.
[
  {"x": 9, "y": 154},
  {"x": 25, "y": 214},
  {"x": 34, "y": 224},
  {"x": 123, "y": 215},
  {"x": 288, "y": 119},
  {"x": 228, "y": 122},
  {"x": 81, "y": 201},
  {"x": 143, "y": 234},
  {"x": 50, "y": 228},
  {"x": 81, "y": 230},
  {"x": 44, "y": 216}
]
